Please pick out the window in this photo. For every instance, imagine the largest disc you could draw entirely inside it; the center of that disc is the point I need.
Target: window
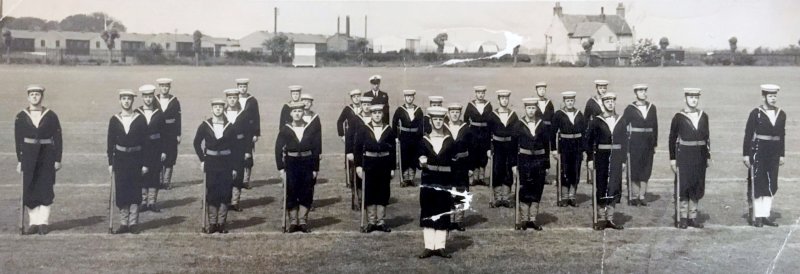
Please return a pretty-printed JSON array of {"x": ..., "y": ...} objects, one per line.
[
  {"x": 97, "y": 44},
  {"x": 58, "y": 43},
  {"x": 167, "y": 47},
  {"x": 42, "y": 43}
]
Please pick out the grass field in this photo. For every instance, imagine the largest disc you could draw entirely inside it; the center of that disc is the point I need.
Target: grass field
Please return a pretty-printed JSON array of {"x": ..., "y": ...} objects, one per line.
[{"x": 85, "y": 98}]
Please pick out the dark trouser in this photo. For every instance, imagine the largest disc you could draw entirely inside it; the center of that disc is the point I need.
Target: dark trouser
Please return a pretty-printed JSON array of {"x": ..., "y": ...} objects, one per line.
[
  {"x": 570, "y": 173},
  {"x": 502, "y": 177},
  {"x": 299, "y": 182},
  {"x": 608, "y": 173},
  {"x": 691, "y": 177}
]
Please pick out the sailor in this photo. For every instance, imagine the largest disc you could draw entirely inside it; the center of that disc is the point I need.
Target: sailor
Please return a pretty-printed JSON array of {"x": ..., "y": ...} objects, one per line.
[
  {"x": 252, "y": 130},
  {"x": 241, "y": 145},
  {"x": 436, "y": 158},
  {"x": 375, "y": 143},
  {"x": 477, "y": 114},
  {"x": 433, "y": 101},
  {"x": 171, "y": 136},
  {"x": 642, "y": 119},
  {"x": 345, "y": 126},
  {"x": 463, "y": 164},
  {"x": 153, "y": 150},
  {"x": 569, "y": 125},
  {"x": 594, "y": 107},
  {"x": 407, "y": 120},
  {"x": 606, "y": 141},
  {"x": 294, "y": 94},
  {"x": 504, "y": 149},
  {"x": 531, "y": 163},
  {"x": 547, "y": 109},
  {"x": 379, "y": 97}
]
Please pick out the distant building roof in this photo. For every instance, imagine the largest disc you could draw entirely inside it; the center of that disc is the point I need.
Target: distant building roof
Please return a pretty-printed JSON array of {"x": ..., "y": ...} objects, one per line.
[
  {"x": 307, "y": 38},
  {"x": 616, "y": 23},
  {"x": 586, "y": 29}
]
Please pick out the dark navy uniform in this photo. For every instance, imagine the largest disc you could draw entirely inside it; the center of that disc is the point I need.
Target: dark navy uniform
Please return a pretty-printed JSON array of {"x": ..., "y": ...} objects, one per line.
[
  {"x": 533, "y": 160},
  {"x": 152, "y": 150},
  {"x": 463, "y": 137},
  {"x": 764, "y": 146},
  {"x": 376, "y": 155},
  {"x": 345, "y": 128},
  {"x": 297, "y": 151},
  {"x": 569, "y": 126},
  {"x": 127, "y": 136},
  {"x": 171, "y": 107},
  {"x": 379, "y": 97},
  {"x": 408, "y": 122},
  {"x": 477, "y": 115},
  {"x": 242, "y": 143},
  {"x": 606, "y": 145},
  {"x": 251, "y": 128},
  {"x": 285, "y": 110},
  {"x": 642, "y": 142},
  {"x": 690, "y": 148},
  {"x": 215, "y": 144},
  {"x": 504, "y": 153}
]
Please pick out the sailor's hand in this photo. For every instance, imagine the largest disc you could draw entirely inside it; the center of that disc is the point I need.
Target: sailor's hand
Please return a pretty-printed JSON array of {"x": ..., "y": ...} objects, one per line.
[
  {"x": 350, "y": 157},
  {"x": 590, "y": 164},
  {"x": 255, "y": 139},
  {"x": 515, "y": 170},
  {"x": 282, "y": 173},
  {"x": 391, "y": 174},
  {"x": 469, "y": 173},
  {"x": 623, "y": 167},
  {"x": 315, "y": 174},
  {"x": 746, "y": 160},
  {"x": 782, "y": 160},
  {"x": 423, "y": 161},
  {"x": 19, "y": 167},
  {"x": 163, "y": 157},
  {"x": 233, "y": 173},
  {"x": 709, "y": 162},
  {"x": 144, "y": 170},
  {"x": 674, "y": 165},
  {"x": 343, "y": 139},
  {"x": 202, "y": 165},
  {"x": 360, "y": 172},
  {"x": 179, "y": 139},
  {"x": 247, "y": 156},
  {"x": 489, "y": 154},
  {"x": 554, "y": 153},
  {"x": 57, "y": 166}
]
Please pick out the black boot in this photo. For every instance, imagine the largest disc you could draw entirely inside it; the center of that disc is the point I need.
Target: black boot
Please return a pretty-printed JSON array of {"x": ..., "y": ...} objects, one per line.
[
  {"x": 43, "y": 230},
  {"x": 303, "y": 228},
  {"x": 427, "y": 253},
  {"x": 599, "y": 225},
  {"x": 561, "y": 203},
  {"x": 682, "y": 224},
  {"x": 32, "y": 230},
  {"x": 520, "y": 226},
  {"x": 642, "y": 202},
  {"x": 236, "y": 208},
  {"x": 532, "y": 224},
  {"x": 460, "y": 227},
  {"x": 154, "y": 208},
  {"x": 764, "y": 220},
  {"x": 573, "y": 203},
  {"x": 383, "y": 228},
  {"x": 221, "y": 229},
  {"x": 694, "y": 223},
  {"x": 632, "y": 202},
  {"x": 441, "y": 253},
  {"x": 122, "y": 229},
  {"x": 612, "y": 225},
  {"x": 134, "y": 229},
  {"x": 758, "y": 222}
]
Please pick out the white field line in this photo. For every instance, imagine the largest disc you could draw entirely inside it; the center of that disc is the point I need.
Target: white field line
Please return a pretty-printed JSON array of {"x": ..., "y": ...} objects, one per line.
[
  {"x": 709, "y": 180},
  {"x": 603, "y": 257},
  {"x": 778, "y": 255}
]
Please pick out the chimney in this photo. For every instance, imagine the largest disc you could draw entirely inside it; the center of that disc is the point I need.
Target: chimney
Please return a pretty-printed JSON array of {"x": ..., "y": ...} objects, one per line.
[
  {"x": 347, "y": 26},
  {"x": 621, "y": 10},
  {"x": 338, "y": 24},
  {"x": 365, "y": 27},
  {"x": 557, "y": 11},
  {"x": 603, "y": 13}
]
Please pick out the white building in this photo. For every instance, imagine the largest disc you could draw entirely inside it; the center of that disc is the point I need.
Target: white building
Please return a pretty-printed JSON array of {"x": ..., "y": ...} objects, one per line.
[{"x": 567, "y": 32}]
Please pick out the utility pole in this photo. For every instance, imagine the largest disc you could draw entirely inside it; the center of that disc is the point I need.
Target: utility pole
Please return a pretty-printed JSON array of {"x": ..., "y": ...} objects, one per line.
[{"x": 275, "y": 23}]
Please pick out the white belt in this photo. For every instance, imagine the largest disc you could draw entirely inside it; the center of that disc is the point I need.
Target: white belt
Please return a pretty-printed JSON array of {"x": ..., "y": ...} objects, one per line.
[
  {"x": 641, "y": 129},
  {"x": 170, "y": 121},
  {"x": 609, "y": 146},
  {"x": 501, "y": 139},
  {"x": 531, "y": 152},
  {"x": 155, "y": 136},
  {"x": 217, "y": 153},
  {"x": 240, "y": 136},
  {"x": 128, "y": 149},
  {"x": 570, "y": 136},
  {"x": 438, "y": 168},
  {"x": 460, "y": 155},
  {"x": 477, "y": 124},
  {"x": 407, "y": 129},
  {"x": 298, "y": 154},
  {"x": 376, "y": 154},
  {"x": 35, "y": 141},
  {"x": 691, "y": 143},
  {"x": 766, "y": 137}
]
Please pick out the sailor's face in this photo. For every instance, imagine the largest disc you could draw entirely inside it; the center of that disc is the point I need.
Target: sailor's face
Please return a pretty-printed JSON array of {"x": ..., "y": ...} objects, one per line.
[
  {"x": 601, "y": 89},
  {"x": 503, "y": 100},
  {"x": 570, "y": 103},
  {"x": 164, "y": 88},
  {"x": 641, "y": 94},
  {"x": 126, "y": 102},
  {"x": 454, "y": 114},
  {"x": 297, "y": 114},
  {"x": 436, "y": 104},
  {"x": 530, "y": 111},
  {"x": 232, "y": 100},
  {"x": 376, "y": 85},
  {"x": 437, "y": 122},
  {"x": 771, "y": 99},
  {"x": 609, "y": 104},
  {"x": 377, "y": 116},
  {"x": 365, "y": 106},
  {"x": 692, "y": 101},
  {"x": 356, "y": 99},
  {"x": 540, "y": 91},
  {"x": 409, "y": 99},
  {"x": 35, "y": 98},
  {"x": 242, "y": 87},
  {"x": 308, "y": 103},
  {"x": 295, "y": 95},
  {"x": 480, "y": 95},
  {"x": 148, "y": 99},
  {"x": 217, "y": 110}
]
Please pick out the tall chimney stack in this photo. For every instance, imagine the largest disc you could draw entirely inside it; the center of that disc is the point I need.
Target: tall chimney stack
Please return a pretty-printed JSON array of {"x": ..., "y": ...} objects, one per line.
[
  {"x": 275, "y": 23},
  {"x": 603, "y": 13},
  {"x": 338, "y": 24},
  {"x": 347, "y": 25},
  {"x": 621, "y": 10},
  {"x": 365, "y": 26},
  {"x": 557, "y": 10}
]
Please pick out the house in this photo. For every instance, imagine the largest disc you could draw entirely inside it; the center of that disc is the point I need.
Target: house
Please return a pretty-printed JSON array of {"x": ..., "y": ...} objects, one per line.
[
  {"x": 73, "y": 43},
  {"x": 612, "y": 35}
]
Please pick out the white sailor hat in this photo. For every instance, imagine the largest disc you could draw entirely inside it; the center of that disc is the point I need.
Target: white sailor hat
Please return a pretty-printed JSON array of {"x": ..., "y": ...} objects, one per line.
[
  {"x": 540, "y": 84},
  {"x": 455, "y": 106},
  {"x": 374, "y": 78},
  {"x": 374, "y": 108},
  {"x": 601, "y": 82},
  {"x": 232, "y": 91},
  {"x": 295, "y": 88},
  {"x": 435, "y": 99},
  {"x": 530, "y": 101},
  {"x": 639, "y": 86},
  {"x": 691, "y": 91},
  {"x": 126, "y": 92},
  {"x": 365, "y": 99},
  {"x": 355, "y": 92},
  {"x": 296, "y": 105},
  {"x": 37, "y": 88},
  {"x": 569, "y": 94},
  {"x": 409, "y": 92},
  {"x": 242, "y": 81},
  {"x": 770, "y": 89},
  {"x": 479, "y": 88},
  {"x": 436, "y": 111},
  {"x": 306, "y": 96},
  {"x": 217, "y": 101},
  {"x": 503, "y": 93},
  {"x": 147, "y": 89},
  {"x": 164, "y": 81},
  {"x": 608, "y": 96}
]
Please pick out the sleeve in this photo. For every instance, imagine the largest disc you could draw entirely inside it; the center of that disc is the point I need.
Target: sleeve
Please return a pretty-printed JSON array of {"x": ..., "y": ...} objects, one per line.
[
  {"x": 18, "y": 124},
  {"x": 284, "y": 115},
  {"x": 749, "y": 130},
  {"x": 178, "y": 118},
  {"x": 673, "y": 136},
  {"x": 588, "y": 141},
  {"x": 57, "y": 138},
  {"x": 555, "y": 127},
  {"x": 162, "y": 131},
  {"x": 340, "y": 122},
  {"x": 396, "y": 120},
  {"x": 393, "y": 151},
  {"x": 358, "y": 147},
  {"x": 708, "y": 136},
  {"x": 782, "y": 132},
  {"x": 198, "y": 143},
  {"x": 110, "y": 142},
  {"x": 317, "y": 149},
  {"x": 280, "y": 143},
  {"x": 469, "y": 138},
  {"x": 350, "y": 136},
  {"x": 655, "y": 127},
  {"x": 256, "y": 113},
  {"x": 515, "y": 132}
]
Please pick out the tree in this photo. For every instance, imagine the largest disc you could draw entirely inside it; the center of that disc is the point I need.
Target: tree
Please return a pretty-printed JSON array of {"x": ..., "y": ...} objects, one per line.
[
  {"x": 361, "y": 46},
  {"x": 197, "y": 46},
  {"x": 515, "y": 53},
  {"x": 7, "y": 40},
  {"x": 732, "y": 43},
  {"x": 95, "y": 22},
  {"x": 587, "y": 46},
  {"x": 663, "y": 43},
  {"x": 31, "y": 24},
  {"x": 645, "y": 53},
  {"x": 109, "y": 36},
  {"x": 278, "y": 45},
  {"x": 439, "y": 41}
]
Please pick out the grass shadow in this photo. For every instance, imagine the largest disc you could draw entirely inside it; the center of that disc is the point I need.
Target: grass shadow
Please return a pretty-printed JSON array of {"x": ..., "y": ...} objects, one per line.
[
  {"x": 186, "y": 184},
  {"x": 459, "y": 243},
  {"x": 703, "y": 217},
  {"x": 253, "y": 221},
  {"x": 399, "y": 221},
  {"x": 474, "y": 219},
  {"x": 256, "y": 202},
  {"x": 158, "y": 223},
  {"x": 321, "y": 181},
  {"x": 326, "y": 202},
  {"x": 621, "y": 219},
  {"x": 323, "y": 222},
  {"x": 652, "y": 197},
  {"x": 176, "y": 203},
  {"x": 270, "y": 181},
  {"x": 76, "y": 223},
  {"x": 582, "y": 198},
  {"x": 546, "y": 218}
]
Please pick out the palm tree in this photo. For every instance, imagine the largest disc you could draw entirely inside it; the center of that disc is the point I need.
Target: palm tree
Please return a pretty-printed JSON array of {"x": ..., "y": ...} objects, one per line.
[
  {"x": 439, "y": 41},
  {"x": 109, "y": 36},
  {"x": 587, "y": 46},
  {"x": 7, "y": 39},
  {"x": 663, "y": 43},
  {"x": 732, "y": 42},
  {"x": 197, "y": 36}
]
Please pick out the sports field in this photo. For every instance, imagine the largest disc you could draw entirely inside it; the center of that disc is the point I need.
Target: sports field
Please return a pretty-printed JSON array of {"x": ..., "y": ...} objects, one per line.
[{"x": 85, "y": 98}]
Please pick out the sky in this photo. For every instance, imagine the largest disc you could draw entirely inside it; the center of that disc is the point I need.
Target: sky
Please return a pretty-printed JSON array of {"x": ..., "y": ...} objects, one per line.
[{"x": 703, "y": 24}]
